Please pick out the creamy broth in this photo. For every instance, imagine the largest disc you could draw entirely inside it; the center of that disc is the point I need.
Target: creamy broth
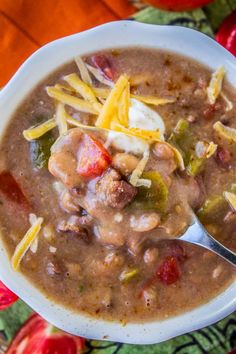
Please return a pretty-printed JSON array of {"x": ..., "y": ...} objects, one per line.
[{"x": 107, "y": 247}]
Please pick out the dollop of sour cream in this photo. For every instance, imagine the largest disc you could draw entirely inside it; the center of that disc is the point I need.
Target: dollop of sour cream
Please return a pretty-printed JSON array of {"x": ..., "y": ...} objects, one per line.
[{"x": 143, "y": 117}]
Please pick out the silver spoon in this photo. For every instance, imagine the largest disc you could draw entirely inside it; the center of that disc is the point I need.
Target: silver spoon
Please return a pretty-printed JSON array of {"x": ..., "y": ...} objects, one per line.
[{"x": 197, "y": 234}]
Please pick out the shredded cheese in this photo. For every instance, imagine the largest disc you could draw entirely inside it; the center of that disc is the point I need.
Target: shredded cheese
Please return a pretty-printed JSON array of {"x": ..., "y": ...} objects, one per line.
[
  {"x": 34, "y": 245},
  {"x": 83, "y": 71},
  {"x": 76, "y": 123},
  {"x": 138, "y": 171},
  {"x": 98, "y": 75},
  {"x": 142, "y": 182},
  {"x": 109, "y": 109},
  {"x": 84, "y": 90},
  {"x": 101, "y": 92},
  {"x": 212, "y": 147},
  {"x": 227, "y": 133},
  {"x": 149, "y": 135},
  {"x": 123, "y": 108},
  {"x": 153, "y": 100},
  {"x": 61, "y": 118},
  {"x": 215, "y": 85},
  {"x": 72, "y": 101},
  {"x": 65, "y": 87},
  {"x": 36, "y": 132},
  {"x": 229, "y": 104},
  {"x": 231, "y": 199},
  {"x": 25, "y": 243}
]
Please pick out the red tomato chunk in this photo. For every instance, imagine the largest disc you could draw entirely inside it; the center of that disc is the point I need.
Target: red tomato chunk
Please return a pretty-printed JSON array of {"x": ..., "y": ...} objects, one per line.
[
  {"x": 169, "y": 271},
  {"x": 7, "y": 297},
  {"x": 93, "y": 158},
  {"x": 11, "y": 189},
  {"x": 102, "y": 63}
]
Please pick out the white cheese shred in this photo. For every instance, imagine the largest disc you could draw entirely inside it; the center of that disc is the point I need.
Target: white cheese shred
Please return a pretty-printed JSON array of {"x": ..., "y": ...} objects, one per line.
[
  {"x": 137, "y": 172},
  {"x": 83, "y": 70},
  {"x": 215, "y": 85}
]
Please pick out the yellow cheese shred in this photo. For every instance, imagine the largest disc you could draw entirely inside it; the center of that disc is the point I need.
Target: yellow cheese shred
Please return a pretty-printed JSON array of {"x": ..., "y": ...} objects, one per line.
[
  {"x": 123, "y": 108},
  {"x": 153, "y": 100},
  {"x": 104, "y": 92},
  {"x": 229, "y": 104},
  {"x": 61, "y": 118},
  {"x": 138, "y": 171},
  {"x": 84, "y": 90},
  {"x": 149, "y": 135},
  {"x": 25, "y": 243},
  {"x": 83, "y": 70},
  {"x": 67, "y": 88},
  {"x": 215, "y": 85},
  {"x": 231, "y": 199},
  {"x": 211, "y": 149},
  {"x": 225, "y": 132},
  {"x": 39, "y": 130},
  {"x": 110, "y": 106},
  {"x": 72, "y": 101}
]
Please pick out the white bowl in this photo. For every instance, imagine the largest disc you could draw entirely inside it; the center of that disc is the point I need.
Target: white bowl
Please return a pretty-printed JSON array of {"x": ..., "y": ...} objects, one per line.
[{"x": 113, "y": 35}]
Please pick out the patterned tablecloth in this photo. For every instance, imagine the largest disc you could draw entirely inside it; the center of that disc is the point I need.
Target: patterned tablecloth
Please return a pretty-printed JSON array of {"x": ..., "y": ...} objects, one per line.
[{"x": 216, "y": 339}]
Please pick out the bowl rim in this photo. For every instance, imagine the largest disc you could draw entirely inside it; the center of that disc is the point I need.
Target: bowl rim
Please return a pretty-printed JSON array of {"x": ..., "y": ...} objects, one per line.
[{"x": 112, "y": 35}]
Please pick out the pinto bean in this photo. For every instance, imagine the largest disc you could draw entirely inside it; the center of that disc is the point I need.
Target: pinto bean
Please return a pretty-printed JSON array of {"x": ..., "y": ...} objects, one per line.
[
  {"x": 150, "y": 255},
  {"x": 145, "y": 222},
  {"x": 163, "y": 151},
  {"x": 125, "y": 163},
  {"x": 62, "y": 165}
]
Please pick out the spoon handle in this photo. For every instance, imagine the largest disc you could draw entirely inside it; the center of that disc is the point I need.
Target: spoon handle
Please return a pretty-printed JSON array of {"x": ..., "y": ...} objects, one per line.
[{"x": 198, "y": 235}]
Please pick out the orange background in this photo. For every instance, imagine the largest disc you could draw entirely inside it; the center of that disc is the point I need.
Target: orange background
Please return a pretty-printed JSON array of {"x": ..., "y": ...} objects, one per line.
[{"x": 25, "y": 25}]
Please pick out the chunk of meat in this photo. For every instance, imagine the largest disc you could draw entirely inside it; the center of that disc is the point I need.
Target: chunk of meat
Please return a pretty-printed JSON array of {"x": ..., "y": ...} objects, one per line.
[
  {"x": 69, "y": 203},
  {"x": 55, "y": 268},
  {"x": 113, "y": 191},
  {"x": 72, "y": 225}
]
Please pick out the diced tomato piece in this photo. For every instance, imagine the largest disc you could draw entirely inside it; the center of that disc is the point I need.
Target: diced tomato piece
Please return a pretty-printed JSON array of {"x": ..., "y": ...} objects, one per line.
[
  {"x": 178, "y": 251},
  {"x": 104, "y": 65},
  {"x": 169, "y": 271},
  {"x": 38, "y": 337},
  {"x": 7, "y": 297},
  {"x": 223, "y": 157},
  {"x": 11, "y": 189},
  {"x": 226, "y": 35},
  {"x": 93, "y": 158},
  {"x": 209, "y": 111}
]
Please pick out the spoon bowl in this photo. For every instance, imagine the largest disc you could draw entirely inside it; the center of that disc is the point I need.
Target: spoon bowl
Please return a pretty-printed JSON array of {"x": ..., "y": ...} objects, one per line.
[{"x": 198, "y": 235}]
